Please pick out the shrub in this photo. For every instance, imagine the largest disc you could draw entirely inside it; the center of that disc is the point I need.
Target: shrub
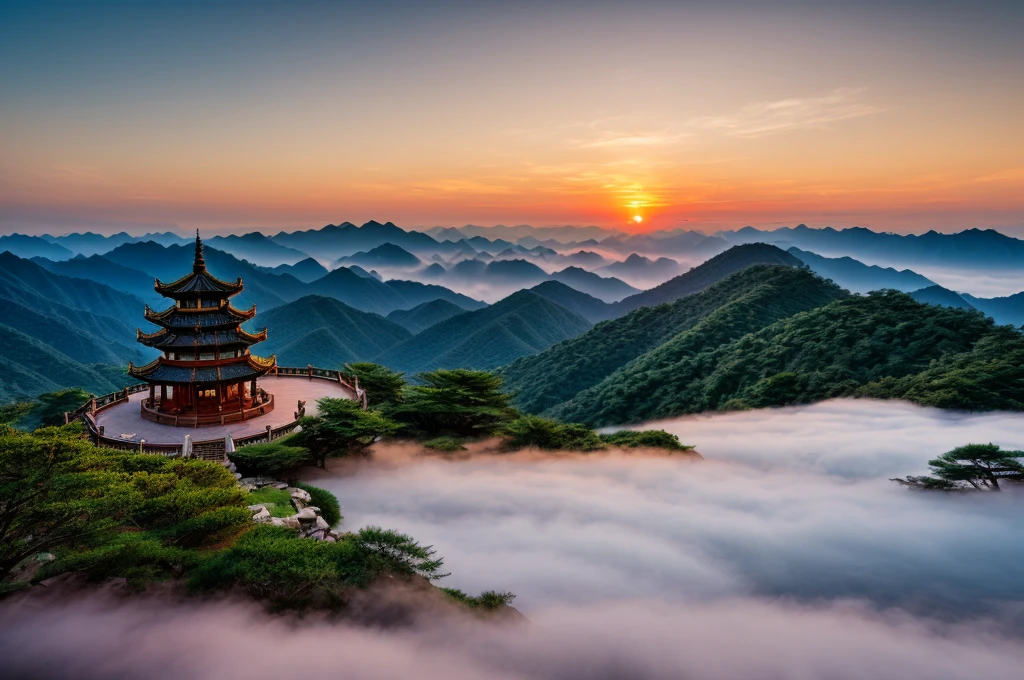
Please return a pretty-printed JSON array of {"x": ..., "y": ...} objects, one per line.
[
  {"x": 274, "y": 564},
  {"x": 446, "y": 444},
  {"x": 383, "y": 386},
  {"x": 656, "y": 439},
  {"x": 457, "y": 402},
  {"x": 550, "y": 434},
  {"x": 330, "y": 510},
  {"x": 342, "y": 427},
  {"x": 487, "y": 600},
  {"x": 268, "y": 459}
]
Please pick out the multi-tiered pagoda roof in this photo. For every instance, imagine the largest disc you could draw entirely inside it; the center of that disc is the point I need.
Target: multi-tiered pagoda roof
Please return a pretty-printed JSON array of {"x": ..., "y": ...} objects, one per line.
[{"x": 204, "y": 351}]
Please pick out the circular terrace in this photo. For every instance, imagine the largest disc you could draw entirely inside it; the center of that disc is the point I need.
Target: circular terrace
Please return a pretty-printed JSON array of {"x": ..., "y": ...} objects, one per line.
[{"x": 118, "y": 421}]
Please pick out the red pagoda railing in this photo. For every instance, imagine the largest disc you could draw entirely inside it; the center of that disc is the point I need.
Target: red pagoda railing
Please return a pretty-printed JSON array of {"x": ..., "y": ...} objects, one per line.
[{"x": 209, "y": 449}]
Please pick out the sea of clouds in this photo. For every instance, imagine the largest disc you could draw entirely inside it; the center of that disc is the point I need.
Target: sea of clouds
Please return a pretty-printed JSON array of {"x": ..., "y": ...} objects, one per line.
[{"x": 785, "y": 553}]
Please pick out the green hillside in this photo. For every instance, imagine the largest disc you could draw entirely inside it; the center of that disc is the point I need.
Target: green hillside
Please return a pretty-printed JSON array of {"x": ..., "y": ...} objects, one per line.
[
  {"x": 424, "y": 316},
  {"x": 708, "y": 273},
  {"x": 522, "y": 324},
  {"x": 587, "y": 306},
  {"x": 29, "y": 367},
  {"x": 880, "y": 345},
  {"x": 741, "y": 303},
  {"x": 324, "y": 332}
]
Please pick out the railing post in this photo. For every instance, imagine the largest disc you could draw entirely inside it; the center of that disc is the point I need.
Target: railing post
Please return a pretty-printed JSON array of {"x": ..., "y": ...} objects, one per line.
[
  {"x": 67, "y": 418},
  {"x": 270, "y": 434}
]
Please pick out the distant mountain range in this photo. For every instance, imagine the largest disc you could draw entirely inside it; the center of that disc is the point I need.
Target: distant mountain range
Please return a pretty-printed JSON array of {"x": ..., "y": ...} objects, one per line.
[
  {"x": 257, "y": 249},
  {"x": 858, "y": 277},
  {"x": 972, "y": 248},
  {"x": 384, "y": 255},
  {"x": 422, "y": 317}
]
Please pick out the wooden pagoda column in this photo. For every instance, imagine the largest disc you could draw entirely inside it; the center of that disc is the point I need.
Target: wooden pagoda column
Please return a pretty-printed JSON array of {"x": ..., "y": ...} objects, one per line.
[
  {"x": 163, "y": 395},
  {"x": 241, "y": 395},
  {"x": 252, "y": 389},
  {"x": 152, "y": 395}
]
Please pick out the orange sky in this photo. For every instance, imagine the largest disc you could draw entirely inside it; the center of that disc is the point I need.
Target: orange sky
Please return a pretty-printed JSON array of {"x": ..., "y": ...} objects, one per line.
[{"x": 684, "y": 115}]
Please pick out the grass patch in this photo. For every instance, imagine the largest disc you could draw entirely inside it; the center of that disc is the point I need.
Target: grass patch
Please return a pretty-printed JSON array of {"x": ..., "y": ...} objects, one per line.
[{"x": 277, "y": 501}]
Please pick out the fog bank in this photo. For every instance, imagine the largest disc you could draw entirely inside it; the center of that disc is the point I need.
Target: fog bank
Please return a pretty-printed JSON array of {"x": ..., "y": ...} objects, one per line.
[{"x": 785, "y": 554}]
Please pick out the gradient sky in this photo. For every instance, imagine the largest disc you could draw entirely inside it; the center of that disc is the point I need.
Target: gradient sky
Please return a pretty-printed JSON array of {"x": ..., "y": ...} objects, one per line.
[{"x": 232, "y": 116}]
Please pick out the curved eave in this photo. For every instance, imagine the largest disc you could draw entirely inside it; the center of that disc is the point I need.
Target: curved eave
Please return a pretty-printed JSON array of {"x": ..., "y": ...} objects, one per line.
[
  {"x": 178, "y": 288},
  {"x": 165, "y": 339},
  {"x": 160, "y": 318},
  {"x": 171, "y": 373}
]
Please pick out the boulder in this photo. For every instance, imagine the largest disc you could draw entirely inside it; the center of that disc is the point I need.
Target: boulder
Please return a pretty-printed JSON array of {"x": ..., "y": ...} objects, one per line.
[
  {"x": 262, "y": 516},
  {"x": 247, "y": 480},
  {"x": 289, "y": 522},
  {"x": 281, "y": 486},
  {"x": 321, "y": 523},
  {"x": 302, "y": 495},
  {"x": 257, "y": 507},
  {"x": 306, "y": 515}
]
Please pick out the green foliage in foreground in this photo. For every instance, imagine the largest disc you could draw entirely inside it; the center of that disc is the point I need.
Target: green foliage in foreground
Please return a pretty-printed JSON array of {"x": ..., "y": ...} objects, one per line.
[
  {"x": 274, "y": 564},
  {"x": 975, "y": 466},
  {"x": 269, "y": 459},
  {"x": 277, "y": 501},
  {"x": 108, "y": 512},
  {"x": 487, "y": 600},
  {"x": 457, "y": 402},
  {"x": 543, "y": 433},
  {"x": 383, "y": 386},
  {"x": 655, "y": 439},
  {"x": 330, "y": 510},
  {"x": 444, "y": 444},
  {"x": 342, "y": 427},
  {"x": 883, "y": 345}
]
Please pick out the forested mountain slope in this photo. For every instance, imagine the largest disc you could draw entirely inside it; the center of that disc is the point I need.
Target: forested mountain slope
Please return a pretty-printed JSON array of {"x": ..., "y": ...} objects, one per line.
[
  {"x": 714, "y": 270},
  {"x": 324, "y": 332},
  {"x": 880, "y": 345},
  {"x": 422, "y": 317},
  {"x": 745, "y": 301},
  {"x": 522, "y": 324}
]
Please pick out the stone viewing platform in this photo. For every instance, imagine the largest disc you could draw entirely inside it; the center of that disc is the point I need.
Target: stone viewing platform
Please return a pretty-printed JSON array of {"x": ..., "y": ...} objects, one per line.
[{"x": 124, "y": 418}]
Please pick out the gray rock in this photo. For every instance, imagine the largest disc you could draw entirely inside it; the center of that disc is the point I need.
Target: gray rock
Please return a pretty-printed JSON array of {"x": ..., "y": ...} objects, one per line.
[
  {"x": 321, "y": 523},
  {"x": 289, "y": 522},
  {"x": 302, "y": 495},
  {"x": 306, "y": 515},
  {"x": 238, "y": 475},
  {"x": 280, "y": 486},
  {"x": 262, "y": 516}
]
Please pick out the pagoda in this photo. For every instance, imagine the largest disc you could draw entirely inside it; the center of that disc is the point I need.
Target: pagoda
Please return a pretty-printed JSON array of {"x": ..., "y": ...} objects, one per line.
[{"x": 205, "y": 373}]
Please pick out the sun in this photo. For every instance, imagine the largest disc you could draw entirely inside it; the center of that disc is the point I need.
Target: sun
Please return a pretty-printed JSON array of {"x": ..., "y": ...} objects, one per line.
[{"x": 638, "y": 219}]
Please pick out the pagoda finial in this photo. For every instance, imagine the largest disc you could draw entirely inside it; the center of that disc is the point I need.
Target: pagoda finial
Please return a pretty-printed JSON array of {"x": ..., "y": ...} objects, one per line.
[{"x": 200, "y": 264}]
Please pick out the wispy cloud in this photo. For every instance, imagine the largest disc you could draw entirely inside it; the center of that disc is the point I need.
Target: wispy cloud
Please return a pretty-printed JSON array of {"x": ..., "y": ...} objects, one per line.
[{"x": 764, "y": 118}]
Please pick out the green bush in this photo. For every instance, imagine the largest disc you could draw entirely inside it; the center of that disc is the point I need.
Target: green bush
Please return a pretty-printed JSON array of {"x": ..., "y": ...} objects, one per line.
[
  {"x": 445, "y": 444},
  {"x": 274, "y": 564},
  {"x": 544, "y": 433},
  {"x": 268, "y": 459},
  {"x": 458, "y": 402},
  {"x": 342, "y": 427},
  {"x": 383, "y": 386},
  {"x": 656, "y": 439},
  {"x": 487, "y": 600},
  {"x": 330, "y": 510}
]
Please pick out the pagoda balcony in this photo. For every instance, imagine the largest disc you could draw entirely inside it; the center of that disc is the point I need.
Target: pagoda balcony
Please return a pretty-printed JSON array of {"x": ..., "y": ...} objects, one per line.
[{"x": 205, "y": 416}]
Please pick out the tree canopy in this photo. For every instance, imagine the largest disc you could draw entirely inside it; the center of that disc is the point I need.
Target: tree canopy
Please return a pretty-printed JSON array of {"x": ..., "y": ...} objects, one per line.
[
  {"x": 973, "y": 466},
  {"x": 460, "y": 402}
]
